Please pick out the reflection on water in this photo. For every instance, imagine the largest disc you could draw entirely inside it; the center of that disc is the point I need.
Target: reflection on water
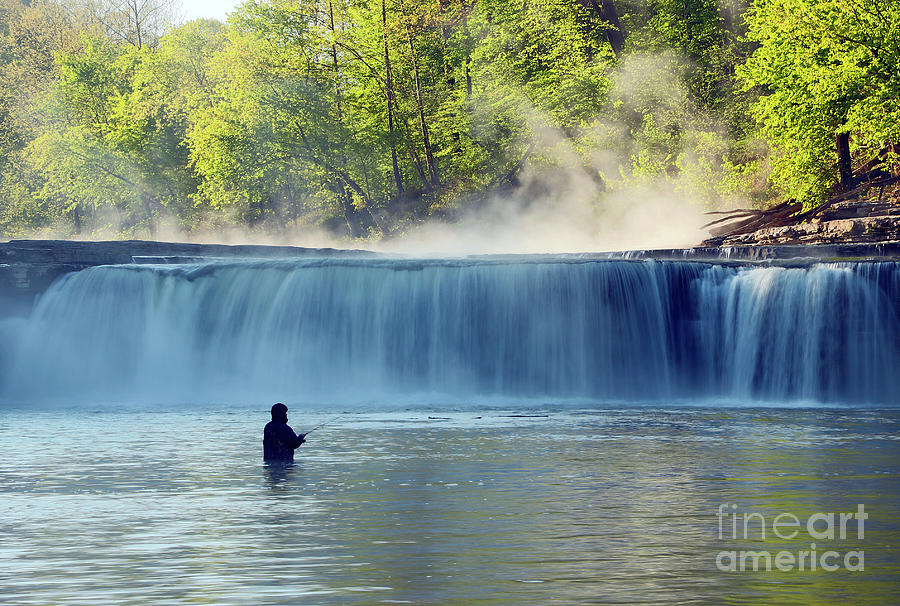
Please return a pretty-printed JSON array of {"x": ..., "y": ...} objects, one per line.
[
  {"x": 278, "y": 472},
  {"x": 589, "y": 506}
]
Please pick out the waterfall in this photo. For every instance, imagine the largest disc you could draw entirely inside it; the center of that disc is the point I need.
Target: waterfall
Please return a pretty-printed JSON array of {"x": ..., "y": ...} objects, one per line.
[{"x": 335, "y": 330}]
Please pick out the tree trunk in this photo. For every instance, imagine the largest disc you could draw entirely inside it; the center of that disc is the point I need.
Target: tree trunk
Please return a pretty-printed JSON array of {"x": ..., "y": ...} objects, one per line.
[
  {"x": 429, "y": 156},
  {"x": 389, "y": 93},
  {"x": 845, "y": 165},
  {"x": 334, "y": 59},
  {"x": 359, "y": 220},
  {"x": 606, "y": 11},
  {"x": 894, "y": 164},
  {"x": 137, "y": 23},
  {"x": 148, "y": 208},
  {"x": 356, "y": 221},
  {"x": 411, "y": 150}
]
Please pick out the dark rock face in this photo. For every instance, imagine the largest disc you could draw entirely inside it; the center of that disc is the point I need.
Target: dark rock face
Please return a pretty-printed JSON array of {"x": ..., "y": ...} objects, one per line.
[
  {"x": 28, "y": 267},
  {"x": 124, "y": 251},
  {"x": 20, "y": 283}
]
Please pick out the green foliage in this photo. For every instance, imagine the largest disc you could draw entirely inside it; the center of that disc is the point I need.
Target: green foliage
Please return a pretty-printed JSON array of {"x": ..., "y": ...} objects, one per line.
[
  {"x": 538, "y": 49},
  {"x": 30, "y": 34},
  {"x": 364, "y": 118},
  {"x": 823, "y": 67}
]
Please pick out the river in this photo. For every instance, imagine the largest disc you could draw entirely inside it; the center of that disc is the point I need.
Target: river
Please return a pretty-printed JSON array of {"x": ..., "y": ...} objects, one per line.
[
  {"x": 542, "y": 430},
  {"x": 601, "y": 506}
]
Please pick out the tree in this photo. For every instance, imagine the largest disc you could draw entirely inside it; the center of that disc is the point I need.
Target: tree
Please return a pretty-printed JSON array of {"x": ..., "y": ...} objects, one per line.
[
  {"x": 114, "y": 151},
  {"x": 828, "y": 81},
  {"x": 364, "y": 118},
  {"x": 282, "y": 135},
  {"x": 138, "y": 23},
  {"x": 389, "y": 99},
  {"x": 607, "y": 13},
  {"x": 30, "y": 34}
]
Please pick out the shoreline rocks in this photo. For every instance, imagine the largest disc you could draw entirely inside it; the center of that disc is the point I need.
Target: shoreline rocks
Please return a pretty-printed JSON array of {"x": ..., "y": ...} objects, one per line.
[{"x": 853, "y": 230}]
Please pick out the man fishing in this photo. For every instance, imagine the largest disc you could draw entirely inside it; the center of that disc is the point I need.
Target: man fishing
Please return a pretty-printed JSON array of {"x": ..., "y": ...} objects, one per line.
[{"x": 279, "y": 440}]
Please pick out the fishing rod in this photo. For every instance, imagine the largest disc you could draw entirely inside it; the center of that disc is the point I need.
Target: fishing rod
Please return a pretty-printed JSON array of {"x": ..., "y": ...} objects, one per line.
[{"x": 322, "y": 424}]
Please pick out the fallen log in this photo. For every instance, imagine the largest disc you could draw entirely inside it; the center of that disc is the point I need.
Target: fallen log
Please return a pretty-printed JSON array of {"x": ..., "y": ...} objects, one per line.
[{"x": 751, "y": 220}]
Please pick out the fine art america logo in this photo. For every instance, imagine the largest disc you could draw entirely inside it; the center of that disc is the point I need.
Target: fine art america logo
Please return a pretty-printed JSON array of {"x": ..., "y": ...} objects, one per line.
[{"x": 735, "y": 525}]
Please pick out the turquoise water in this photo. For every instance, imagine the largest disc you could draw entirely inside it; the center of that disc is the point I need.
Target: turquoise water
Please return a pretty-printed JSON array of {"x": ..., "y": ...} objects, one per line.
[{"x": 438, "y": 506}]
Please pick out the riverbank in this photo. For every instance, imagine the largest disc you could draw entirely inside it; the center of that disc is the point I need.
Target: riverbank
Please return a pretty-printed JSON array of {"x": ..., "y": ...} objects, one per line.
[{"x": 853, "y": 217}]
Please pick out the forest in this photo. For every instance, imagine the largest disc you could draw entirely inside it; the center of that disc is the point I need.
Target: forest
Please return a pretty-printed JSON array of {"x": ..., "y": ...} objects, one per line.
[{"x": 366, "y": 118}]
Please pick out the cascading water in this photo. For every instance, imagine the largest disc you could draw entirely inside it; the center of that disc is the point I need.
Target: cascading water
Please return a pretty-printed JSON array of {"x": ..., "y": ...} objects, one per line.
[{"x": 379, "y": 330}]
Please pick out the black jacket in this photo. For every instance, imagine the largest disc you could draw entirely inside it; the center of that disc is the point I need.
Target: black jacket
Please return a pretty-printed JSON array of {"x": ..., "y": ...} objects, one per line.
[{"x": 279, "y": 441}]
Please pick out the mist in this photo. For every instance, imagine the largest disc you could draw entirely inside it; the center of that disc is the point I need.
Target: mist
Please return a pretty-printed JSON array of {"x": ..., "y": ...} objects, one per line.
[{"x": 640, "y": 174}]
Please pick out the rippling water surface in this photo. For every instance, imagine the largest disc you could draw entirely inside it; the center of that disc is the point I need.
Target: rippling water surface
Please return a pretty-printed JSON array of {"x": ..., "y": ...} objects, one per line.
[{"x": 562, "y": 506}]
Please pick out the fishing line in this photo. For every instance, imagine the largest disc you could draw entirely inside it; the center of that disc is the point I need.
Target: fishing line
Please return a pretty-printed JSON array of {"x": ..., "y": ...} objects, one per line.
[{"x": 322, "y": 424}]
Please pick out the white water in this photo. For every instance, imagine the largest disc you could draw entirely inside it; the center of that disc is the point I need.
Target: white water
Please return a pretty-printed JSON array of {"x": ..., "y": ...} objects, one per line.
[{"x": 552, "y": 329}]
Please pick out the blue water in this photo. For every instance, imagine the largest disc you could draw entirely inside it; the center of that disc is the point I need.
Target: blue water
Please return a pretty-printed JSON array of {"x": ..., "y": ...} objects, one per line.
[
  {"x": 362, "y": 332},
  {"x": 543, "y": 430},
  {"x": 602, "y": 506}
]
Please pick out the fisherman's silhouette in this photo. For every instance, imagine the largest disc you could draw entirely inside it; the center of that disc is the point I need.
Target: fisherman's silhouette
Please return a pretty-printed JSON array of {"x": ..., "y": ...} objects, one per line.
[{"x": 279, "y": 440}]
